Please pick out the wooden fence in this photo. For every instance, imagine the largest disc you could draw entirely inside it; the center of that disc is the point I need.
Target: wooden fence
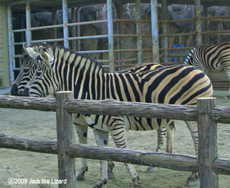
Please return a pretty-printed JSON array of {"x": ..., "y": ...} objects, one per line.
[{"x": 206, "y": 113}]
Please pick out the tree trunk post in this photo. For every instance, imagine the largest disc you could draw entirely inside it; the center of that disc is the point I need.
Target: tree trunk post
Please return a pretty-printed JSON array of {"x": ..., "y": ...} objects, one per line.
[
  {"x": 207, "y": 151},
  {"x": 65, "y": 136}
]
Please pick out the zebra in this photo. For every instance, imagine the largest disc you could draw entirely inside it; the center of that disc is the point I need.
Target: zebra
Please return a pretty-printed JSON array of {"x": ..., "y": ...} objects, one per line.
[
  {"x": 67, "y": 70},
  {"x": 26, "y": 73},
  {"x": 28, "y": 67},
  {"x": 211, "y": 58}
]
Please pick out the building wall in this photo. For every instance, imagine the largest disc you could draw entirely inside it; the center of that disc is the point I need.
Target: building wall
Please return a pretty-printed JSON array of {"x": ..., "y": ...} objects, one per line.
[{"x": 4, "y": 60}]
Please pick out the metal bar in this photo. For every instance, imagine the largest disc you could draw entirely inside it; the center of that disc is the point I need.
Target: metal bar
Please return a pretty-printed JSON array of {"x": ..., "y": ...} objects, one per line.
[
  {"x": 65, "y": 23},
  {"x": 78, "y": 28},
  {"x": 206, "y": 24},
  {"x": 139, "y": 33},
  {"x": 160, "y": 21},
  {"x": 17, "y": 69},
  {"x": 177, "y": 34},
  {"x": 18, "y": 56},
  {"x": 216, "y": 32},
  {"x": 10, "y": 43},
  {"x": 47, "y": 40},
  {"x": 198, "y": 22},
  {"x": 88, "y": 37},
  {"x": 46, "y": 27},
  {"x": 86, "y": 23},
  {"x": 165, "y": 30},
  {"x": 110, "y": 34},
  {"x": 118, "y": 8},
  {"x": 154, "y": 25},
  {"x": 74, "y": 31},
  {"x": 214, "y": 17},
  {"x": 28, "y": 24},
  {"x": 125, "y": 35},
  {"x": 19, "y": 30},
  {"x": 19, "y": 43},
  {"x": 179, "y": 20},
  {"x": 54, "y": 19},
  {"x": 22, "y": 2},
  {"x": 93, "y": 51}
]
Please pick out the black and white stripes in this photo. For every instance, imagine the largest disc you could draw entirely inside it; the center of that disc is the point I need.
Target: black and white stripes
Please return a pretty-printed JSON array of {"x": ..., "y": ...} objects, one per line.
[
  {"x": 211, "y": 58},
  {"x": 66, "y": 70}
]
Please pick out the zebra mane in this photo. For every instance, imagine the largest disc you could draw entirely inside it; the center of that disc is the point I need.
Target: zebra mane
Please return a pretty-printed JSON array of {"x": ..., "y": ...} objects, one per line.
[
  {"x": 189, "y": 58},
  {"x": 75, "y": 52}
]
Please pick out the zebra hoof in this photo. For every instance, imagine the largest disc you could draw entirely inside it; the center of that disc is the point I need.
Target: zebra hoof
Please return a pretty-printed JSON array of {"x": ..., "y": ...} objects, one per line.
[
  {"x": 100, "y": 184},
  {"x": 80, "y": 178},
  {"x": 151, "y": 169},
  {"x": 192, "y": 181},
  {"x": 110, "y": 175},
  {"x": 81, "y": 174}
]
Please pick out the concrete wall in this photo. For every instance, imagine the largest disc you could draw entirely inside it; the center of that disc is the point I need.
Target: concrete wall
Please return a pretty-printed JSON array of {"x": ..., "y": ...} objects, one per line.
[{"x": 4, "y": 60}]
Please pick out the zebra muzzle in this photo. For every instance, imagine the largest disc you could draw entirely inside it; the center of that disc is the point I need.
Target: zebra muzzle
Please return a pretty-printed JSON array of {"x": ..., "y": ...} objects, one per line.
[
  {"x": 26, "y": 92},
  {"x": 14, "y": 89}
]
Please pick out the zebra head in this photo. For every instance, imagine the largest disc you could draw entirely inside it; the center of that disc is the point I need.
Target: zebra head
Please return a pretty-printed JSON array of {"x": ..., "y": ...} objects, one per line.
[
  {"x": 41, "y": 84},
  {"x": 26, "y": 73}
]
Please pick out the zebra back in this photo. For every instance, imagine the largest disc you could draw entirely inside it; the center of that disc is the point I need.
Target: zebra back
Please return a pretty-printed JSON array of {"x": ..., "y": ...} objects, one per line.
[{"x": 141, "y": 68}]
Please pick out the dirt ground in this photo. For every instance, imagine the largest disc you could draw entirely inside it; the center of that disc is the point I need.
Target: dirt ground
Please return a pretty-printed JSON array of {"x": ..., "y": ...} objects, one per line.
[{"x": 41, "y": 126}]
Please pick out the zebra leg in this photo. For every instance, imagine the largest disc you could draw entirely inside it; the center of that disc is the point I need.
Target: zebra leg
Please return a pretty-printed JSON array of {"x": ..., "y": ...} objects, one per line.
[
  {"x": 161, "y": 135},
  {"x": 170, "y": 135},
  {"x": 101, "y": 138},
  {"x": 82, "y": 131},
  {"x": 117, "y": 130},
  {"x": 227, "y": 71},
  {"x": 192, "y": 126}
]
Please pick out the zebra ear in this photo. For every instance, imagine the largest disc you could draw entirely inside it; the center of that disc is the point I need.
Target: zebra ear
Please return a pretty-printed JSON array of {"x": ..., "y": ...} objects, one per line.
[
  {"x": 30, "y": 52},
  {"x": 48, "y": 58}
]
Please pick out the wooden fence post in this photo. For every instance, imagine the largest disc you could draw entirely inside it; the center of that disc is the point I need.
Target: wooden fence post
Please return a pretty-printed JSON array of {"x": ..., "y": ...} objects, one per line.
[
  {"x": 65, "y": 135},
  {"x": 207, "y": 152}
]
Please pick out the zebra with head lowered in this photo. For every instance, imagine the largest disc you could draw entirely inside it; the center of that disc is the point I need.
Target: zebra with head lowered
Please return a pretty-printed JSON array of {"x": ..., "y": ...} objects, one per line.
[
  {"x": 66, "y": 70},
  {"x": 26, "y": 73},
  {"x": 211, "y": 58}
]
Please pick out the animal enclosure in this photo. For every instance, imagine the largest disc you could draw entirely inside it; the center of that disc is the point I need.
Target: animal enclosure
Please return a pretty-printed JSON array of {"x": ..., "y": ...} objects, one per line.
[{"x": 206, "y": 113}]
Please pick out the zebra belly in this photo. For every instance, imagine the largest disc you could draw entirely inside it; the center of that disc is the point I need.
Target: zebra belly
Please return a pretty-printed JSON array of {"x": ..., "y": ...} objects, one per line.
[
  {"x": 130, "y": 123},
  {"x": 144, "y": 124}
]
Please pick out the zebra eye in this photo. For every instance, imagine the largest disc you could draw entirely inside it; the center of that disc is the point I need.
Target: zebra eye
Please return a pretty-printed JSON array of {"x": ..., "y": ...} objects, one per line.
[
  {"x": 25, "y": 70},
  {"x": 38, "y": 74}
]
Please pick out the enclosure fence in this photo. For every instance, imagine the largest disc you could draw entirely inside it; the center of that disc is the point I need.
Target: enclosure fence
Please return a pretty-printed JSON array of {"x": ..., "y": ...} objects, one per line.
[{"x": 206, "y": 113}]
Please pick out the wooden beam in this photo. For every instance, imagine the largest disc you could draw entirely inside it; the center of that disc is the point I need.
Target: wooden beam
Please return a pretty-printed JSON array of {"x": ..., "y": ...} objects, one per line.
[
  {"x": 207, "y": 150},
  {"x": 65, "y": 136}
]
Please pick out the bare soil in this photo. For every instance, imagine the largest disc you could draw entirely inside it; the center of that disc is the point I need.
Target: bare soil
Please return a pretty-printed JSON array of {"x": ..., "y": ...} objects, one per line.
[{"x": 42, "y": 126}]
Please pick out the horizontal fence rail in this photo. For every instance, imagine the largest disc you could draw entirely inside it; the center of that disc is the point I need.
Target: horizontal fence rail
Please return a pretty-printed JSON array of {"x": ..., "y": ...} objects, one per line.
[
  {"x": 110, "y": 107},
  {"x": 162, "y": 160},
  {"x": 206, "y": 113}
]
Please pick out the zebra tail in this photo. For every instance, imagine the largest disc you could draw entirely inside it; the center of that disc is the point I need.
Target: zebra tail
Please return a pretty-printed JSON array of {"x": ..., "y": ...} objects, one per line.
[{"x": 189, "y": 58}]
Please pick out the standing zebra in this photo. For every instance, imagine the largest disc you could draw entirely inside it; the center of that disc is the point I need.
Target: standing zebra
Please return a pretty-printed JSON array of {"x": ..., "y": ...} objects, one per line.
[
  {"x": 211, "y": 58},
  {"x": 26, "y": 73},
  {"x": 66, "y": 70}
]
